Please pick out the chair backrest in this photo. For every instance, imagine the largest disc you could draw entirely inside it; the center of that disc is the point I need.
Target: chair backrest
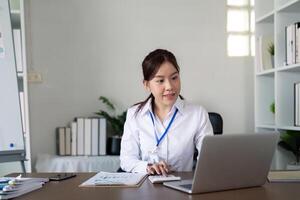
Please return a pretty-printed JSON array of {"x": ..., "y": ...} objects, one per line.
[
  {"x": 216, "y": 122},
  {"x": 217, "y": 125}
]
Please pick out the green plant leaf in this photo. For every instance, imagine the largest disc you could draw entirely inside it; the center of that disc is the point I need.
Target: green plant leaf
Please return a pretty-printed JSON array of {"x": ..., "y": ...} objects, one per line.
[
  {"x": 290, "y": 140},
  {"x": 116, "y": 122},
  {"x": 107, "y": 102},
  {"x": 271, "y": 49}
]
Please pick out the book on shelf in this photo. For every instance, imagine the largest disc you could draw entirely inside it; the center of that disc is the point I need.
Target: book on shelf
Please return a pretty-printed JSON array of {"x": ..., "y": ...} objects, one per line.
[
  {"x": 68, "y": 141},
  {"x": 11, "y": 187},
  {"x": 74, "y": 139},
  {"x": 284, "y": 176},
  {"x": 95, "y": 136},
  {"x": 87, "y": 136},
  {"x": 80, "y": 136},
  {"x": 107, "y": 179},
  {"x": 102, "y": 136},
  {"x": 297, "y": 104},
  {"x": 297, "y": 42},
  {"x": 292, "y": 35},
  {"x": 61, "y": 141}
]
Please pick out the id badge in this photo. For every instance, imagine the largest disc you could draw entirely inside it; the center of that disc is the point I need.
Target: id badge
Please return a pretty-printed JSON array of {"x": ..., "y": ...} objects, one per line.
[{"x": 153, "y": 156}]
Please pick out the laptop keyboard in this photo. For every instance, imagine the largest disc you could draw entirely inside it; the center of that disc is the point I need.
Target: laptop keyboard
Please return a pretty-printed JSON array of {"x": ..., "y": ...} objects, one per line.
[{"x": 187, "y": 186}]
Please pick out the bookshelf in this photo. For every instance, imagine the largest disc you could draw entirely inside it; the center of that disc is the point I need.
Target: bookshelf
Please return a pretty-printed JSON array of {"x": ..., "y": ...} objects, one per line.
[
  {"x": 275, "y": 84},
  {"x": 18, "y": 25}
]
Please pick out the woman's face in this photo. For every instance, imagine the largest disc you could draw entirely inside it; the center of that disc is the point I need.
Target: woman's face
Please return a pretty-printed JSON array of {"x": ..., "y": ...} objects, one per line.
[{"x": 165, "y": 86}]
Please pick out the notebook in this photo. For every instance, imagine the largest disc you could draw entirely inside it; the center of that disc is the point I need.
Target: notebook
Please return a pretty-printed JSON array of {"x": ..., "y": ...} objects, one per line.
[
  {"x": 11, "y": 187},
  {"x": 229, "y": 162}
]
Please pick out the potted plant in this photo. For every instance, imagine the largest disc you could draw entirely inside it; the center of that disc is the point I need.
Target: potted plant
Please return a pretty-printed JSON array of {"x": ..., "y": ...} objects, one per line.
[
  {"x": 271, "y": 50},
  {"x": 290, "y": 140},
  {"x": 116, "y": 123}
]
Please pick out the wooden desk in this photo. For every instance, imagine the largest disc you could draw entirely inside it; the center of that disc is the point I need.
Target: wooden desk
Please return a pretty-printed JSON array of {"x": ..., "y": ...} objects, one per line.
[{"x": 68, "y": 189}]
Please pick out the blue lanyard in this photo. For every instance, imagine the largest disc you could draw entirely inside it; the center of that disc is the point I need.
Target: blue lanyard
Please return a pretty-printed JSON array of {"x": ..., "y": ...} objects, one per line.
[{"x": 158, "y": 140}]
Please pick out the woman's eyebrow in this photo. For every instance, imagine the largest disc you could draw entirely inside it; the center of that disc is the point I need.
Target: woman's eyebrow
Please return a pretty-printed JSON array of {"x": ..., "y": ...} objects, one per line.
[{"x": 161, "y": 76}]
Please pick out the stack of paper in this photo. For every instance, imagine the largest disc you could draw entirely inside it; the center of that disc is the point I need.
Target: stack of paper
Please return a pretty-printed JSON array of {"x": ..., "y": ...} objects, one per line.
[
  {"x": 284, "y": 176},
  {"x": 11, "y": 187},
  {"x": 115, "y": 179}
]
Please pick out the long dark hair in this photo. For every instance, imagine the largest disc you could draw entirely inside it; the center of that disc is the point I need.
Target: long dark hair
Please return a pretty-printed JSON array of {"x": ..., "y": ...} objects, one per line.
[{"x": 151, "y": 65}]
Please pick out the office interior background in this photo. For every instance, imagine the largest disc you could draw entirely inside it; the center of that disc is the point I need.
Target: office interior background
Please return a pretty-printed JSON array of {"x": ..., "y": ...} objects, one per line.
[{"x": 84, "y": 49}]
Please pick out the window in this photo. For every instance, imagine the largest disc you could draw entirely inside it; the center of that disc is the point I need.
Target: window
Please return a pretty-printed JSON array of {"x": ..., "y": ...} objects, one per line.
[{"x": 240, "y": 28}]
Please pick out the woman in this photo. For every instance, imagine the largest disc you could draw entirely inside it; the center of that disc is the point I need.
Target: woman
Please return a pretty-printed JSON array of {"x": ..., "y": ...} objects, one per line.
[{"x": 161, "y": 132}]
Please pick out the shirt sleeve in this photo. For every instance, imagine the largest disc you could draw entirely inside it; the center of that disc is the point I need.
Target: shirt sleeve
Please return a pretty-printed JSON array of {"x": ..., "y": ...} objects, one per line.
[
  {"x": 130, "y": 146},
  {"x": 204, "y": 128}
]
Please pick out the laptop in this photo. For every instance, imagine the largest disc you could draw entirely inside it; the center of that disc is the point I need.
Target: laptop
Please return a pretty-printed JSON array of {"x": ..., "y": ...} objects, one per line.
[{"x": 229, "y": 162}]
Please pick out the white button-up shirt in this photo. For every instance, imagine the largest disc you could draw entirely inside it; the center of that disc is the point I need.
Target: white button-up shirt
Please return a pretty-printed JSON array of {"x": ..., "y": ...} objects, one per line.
[{"x": 189, "y": 127}]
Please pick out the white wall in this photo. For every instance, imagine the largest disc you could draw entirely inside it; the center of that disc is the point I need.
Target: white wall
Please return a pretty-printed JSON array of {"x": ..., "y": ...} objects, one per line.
[{"x": 85, "y": 49}]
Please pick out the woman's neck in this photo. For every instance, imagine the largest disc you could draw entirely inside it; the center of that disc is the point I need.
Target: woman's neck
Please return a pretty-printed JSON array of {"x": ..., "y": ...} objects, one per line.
[{"x": 162, "y": 111}]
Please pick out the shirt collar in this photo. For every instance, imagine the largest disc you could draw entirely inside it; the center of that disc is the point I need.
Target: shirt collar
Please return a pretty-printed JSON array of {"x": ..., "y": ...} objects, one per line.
[{"x": 179, "y": 104}]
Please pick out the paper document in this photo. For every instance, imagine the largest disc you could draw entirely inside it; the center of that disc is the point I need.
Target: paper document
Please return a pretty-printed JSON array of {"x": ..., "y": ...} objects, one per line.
[
  {"x": 115, "y": 179},
  {"x": 284, "y": 176}
]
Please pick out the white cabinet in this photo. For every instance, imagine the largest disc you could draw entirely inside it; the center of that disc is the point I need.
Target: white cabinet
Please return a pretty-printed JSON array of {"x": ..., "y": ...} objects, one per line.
[
  {"x": 276, "y": 84},
  {"x": 18, "y": 26}
]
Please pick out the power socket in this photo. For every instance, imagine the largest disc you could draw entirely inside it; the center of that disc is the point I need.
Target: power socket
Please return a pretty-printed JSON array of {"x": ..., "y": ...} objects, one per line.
[{"x": 34, "y": 77}]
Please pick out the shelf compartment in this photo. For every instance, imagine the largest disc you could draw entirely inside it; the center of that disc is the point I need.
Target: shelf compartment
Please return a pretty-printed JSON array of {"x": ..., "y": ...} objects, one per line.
[
  {"x": 264, "y": 86},
  {"x": 283, "y": 19},
  {"x": 285, "y": 97}
]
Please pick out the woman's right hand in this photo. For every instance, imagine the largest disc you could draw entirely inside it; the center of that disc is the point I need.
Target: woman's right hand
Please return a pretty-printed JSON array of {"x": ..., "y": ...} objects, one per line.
[{"x": 158, "y": 168}]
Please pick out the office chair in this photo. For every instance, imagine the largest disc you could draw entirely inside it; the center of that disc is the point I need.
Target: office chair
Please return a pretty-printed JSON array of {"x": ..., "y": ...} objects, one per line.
[
  {"x": 216, "y": 122},
  {"x": 217, "y": 125}
]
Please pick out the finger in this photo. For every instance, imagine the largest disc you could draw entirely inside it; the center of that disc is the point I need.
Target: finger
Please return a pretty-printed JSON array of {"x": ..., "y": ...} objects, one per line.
[
  {"x": 165, "y": 166},
  {"x": 150, "y": 171},
  {"x": 162, "y": 169},
  {"x": 156, "y": 168}
]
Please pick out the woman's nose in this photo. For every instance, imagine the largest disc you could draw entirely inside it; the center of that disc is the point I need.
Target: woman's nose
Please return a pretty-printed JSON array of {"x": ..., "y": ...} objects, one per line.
[{"x": 168, "y": 85}]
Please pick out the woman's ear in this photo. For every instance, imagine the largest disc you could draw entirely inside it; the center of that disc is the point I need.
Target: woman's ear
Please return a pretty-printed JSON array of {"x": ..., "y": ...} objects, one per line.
[{"x": 146, "y": 85}]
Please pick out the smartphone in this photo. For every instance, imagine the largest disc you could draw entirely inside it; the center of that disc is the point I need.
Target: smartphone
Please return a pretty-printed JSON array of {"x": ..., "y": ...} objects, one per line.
[{"x": 61, "y": 176}]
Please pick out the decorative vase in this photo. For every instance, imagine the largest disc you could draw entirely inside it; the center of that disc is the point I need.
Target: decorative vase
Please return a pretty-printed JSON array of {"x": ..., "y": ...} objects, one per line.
[
  {"x": 272, "y": 62},
  {"x": 114, "y": 145}
]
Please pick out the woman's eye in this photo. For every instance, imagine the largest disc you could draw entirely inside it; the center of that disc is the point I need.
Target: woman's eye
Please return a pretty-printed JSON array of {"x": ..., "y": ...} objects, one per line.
[
  {"x": 174, "y": 77},
  {"x": 160, "y": 81}
]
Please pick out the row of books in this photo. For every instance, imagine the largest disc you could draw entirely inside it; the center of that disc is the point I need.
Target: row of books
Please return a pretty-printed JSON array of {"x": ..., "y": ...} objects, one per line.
[
  {"x": 264, "y": 60},
  {"x": 85, "y": 136},
  {"x": 292, "y": 33},
  {"x": 297, "y": 103}
]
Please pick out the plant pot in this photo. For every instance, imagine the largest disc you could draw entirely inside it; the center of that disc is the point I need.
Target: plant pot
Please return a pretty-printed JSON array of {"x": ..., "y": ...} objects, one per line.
[
  {"x": 114, "y": 145},
  {"x": 272, "y": 61}
]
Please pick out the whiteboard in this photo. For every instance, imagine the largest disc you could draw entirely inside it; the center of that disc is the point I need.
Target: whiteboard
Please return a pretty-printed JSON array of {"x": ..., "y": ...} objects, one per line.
[{"x": 11, "y": 132}]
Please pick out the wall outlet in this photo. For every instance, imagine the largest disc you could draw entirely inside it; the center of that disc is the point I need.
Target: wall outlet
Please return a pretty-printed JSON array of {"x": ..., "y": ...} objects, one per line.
[{"x": 34, "y": 77}]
